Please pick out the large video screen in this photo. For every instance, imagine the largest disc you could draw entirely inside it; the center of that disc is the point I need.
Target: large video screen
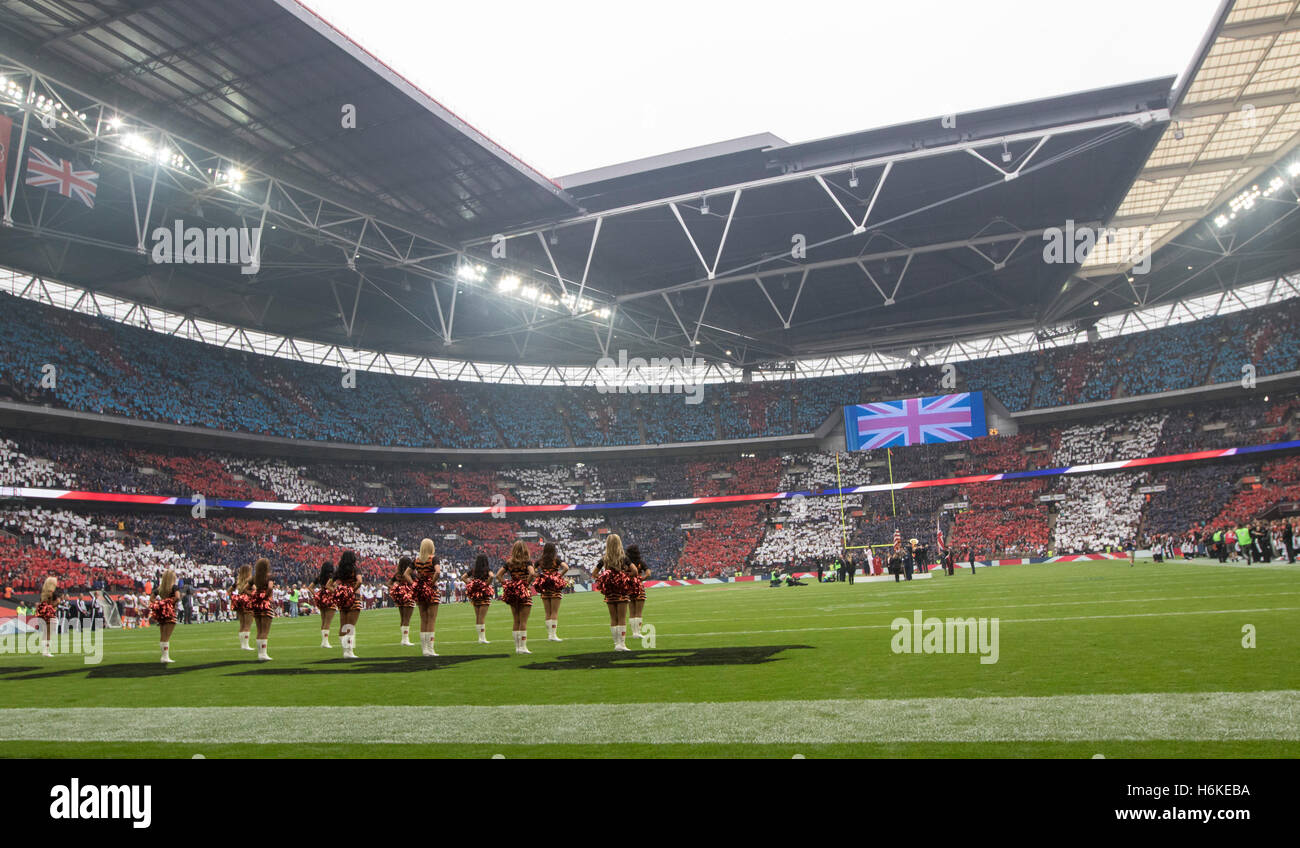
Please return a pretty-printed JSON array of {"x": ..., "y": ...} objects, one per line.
[{"x": 915, "y": 421}]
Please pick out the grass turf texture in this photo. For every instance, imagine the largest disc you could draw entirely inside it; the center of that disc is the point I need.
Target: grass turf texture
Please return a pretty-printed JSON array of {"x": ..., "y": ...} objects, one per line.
[{"x": 1086, "y": 638}]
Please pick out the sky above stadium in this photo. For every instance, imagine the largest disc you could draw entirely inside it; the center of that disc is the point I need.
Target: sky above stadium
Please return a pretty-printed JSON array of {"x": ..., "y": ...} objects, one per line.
[{"x": 570, "y": 85}]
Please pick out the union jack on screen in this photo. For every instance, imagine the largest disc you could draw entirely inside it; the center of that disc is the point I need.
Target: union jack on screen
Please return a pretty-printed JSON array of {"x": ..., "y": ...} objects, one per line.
[
  {"x": 59, "y": 175},
  {"x": 914, "y": 421}
]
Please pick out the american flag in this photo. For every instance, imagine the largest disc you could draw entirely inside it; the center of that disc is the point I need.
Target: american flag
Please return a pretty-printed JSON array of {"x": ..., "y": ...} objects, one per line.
[
  {"x": 898, "y": 539},
  {"x": 915, "y": 421},
  {"x": 58, "y": 175}
]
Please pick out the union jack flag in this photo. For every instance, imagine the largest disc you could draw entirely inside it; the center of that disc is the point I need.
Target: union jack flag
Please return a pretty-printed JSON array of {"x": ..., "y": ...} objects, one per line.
[
  {"x": 915, "y": 421},
  {"x": 59, "y": 175}
]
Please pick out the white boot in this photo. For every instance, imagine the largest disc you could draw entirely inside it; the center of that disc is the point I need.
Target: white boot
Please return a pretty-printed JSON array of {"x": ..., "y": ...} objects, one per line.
[
  {"x": 634, "y": 626},
  {"x": 620, "y": 638},
  {"x": 613, "y": 631},
  {"x": 426, "y": 644},
  {"x": 348, "y": 637},
  {"x": 482, "y": 634},
  {"x": 45, "y": 648},
  {"x": 551, "y": 626},
  {"x": 406, "y": 636},
  {"x": 261, "y": 650},
  {"x": 243, "y": 641},
  {"x": 325, "y": 639},
  {"x": 521, "y": 642},
  {"x": 166, "y": 646}
]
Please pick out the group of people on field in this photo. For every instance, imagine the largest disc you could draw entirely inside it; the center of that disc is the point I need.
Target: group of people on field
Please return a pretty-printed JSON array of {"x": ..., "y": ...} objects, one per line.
[{"x": 414, "y": 584}]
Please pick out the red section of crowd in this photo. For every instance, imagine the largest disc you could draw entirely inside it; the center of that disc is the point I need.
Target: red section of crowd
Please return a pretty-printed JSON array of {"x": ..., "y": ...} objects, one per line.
[{"x": 29, "y": 566}]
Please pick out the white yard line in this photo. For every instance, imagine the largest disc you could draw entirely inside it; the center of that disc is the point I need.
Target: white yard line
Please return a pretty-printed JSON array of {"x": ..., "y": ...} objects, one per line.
[{"x": 1205, "y": 716}]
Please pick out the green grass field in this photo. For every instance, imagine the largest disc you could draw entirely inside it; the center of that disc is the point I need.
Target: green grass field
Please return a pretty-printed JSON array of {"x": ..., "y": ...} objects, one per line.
[{"x": 1093, "y": 658}]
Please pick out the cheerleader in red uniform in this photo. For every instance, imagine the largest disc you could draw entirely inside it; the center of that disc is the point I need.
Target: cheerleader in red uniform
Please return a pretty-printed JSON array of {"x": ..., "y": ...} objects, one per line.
[
  {"x": 427, "y": 595},
  {"x": 162, "y": 612},
  {"x": 613, "y": 581},
  {"x": 239, "y": 604},
  {"x": 46, "y": 611},
  {"x": 402, "y": 589},
  {"x": 324, "y": 599},
  {"x": 550, "y": 585},
  {"x": 636, "y": 591},
  {"x": 518, "y": 592},
  {"x": 344, "y": 587},
  {"x": 260, "y": 593},
  {"x": 478, "y": 588}
]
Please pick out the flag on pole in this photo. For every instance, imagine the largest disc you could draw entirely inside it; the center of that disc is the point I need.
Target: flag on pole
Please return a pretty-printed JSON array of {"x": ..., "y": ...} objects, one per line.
[{"x": 58, "y": 174}]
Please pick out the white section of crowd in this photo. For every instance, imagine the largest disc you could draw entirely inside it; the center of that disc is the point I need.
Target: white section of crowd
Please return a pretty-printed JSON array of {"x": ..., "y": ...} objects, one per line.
[
  {"x": 18, "y": 469},
  {"x": 284, "y": 479},
  {"x": 81, "y": 539}
]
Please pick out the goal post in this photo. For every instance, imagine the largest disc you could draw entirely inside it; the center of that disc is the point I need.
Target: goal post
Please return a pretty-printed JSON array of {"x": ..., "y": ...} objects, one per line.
[{"x": 112, "y": 614}]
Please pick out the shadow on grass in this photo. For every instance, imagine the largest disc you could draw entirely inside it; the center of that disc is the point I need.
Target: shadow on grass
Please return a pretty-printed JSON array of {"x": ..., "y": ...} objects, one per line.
[
  {"x": 16, "y": 669},
  {"x": 128, "y": 671},
  {"x": 739, "y": 655},
  {"x": 378, "y": 665}
]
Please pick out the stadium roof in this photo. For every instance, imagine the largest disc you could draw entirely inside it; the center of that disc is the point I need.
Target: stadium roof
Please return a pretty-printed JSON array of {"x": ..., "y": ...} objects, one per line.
[
  {"x": 1236, "y": 117},
  {"x": 415, "y": 234}
]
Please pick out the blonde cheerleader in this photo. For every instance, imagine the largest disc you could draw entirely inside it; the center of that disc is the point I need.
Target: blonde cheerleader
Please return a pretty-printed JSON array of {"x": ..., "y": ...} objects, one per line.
[
  {"x": 427, "y": 595},
  {"x": 46, "y": 611},
  {"x": 613, "y": 580}
]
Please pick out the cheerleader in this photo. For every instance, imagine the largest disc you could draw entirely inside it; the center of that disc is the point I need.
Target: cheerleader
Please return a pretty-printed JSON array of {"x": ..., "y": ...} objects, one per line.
[
  {"x": 239, "y": 603},
  {"x": 613, "y": 580},
  {"x": 427, "y": 595},
  {"x": 324, "y": 599},
  {"x": 46, "y": 611},
  {"x": 550, "y": 585},
  {"x": 518, "y": 592},
  {"x": 478, "y": 588},
  {"x": 345, "y": 589},
  {"x": 162, "y": 612},
  {"x": 402, "y": 589},
  {"x": 636, "y": 593},
  {"x": 260, "y": 592}
]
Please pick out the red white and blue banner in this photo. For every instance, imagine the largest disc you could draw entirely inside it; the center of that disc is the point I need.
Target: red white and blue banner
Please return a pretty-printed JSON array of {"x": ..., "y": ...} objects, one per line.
[
  {"x": 915, "y": 421},
  {"x": 490, "y": 509}
]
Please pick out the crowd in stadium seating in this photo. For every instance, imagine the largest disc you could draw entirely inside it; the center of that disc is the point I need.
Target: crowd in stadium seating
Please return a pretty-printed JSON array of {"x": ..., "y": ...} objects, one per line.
[
  {"x": 115, "y": 550},
  {"x": 108, "y": 367}
]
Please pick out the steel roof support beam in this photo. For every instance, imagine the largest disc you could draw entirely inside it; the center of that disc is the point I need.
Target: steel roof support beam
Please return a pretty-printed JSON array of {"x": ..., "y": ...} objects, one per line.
[
  {"x": 899, "y": 253},
  {"x": 1015, "y": 172},
  {"x": 1139, "y": 119},
  {"x": 591, "y": 251},
  {"x": 564, "y": 289},
  {"x": 785, "y": 319}
]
